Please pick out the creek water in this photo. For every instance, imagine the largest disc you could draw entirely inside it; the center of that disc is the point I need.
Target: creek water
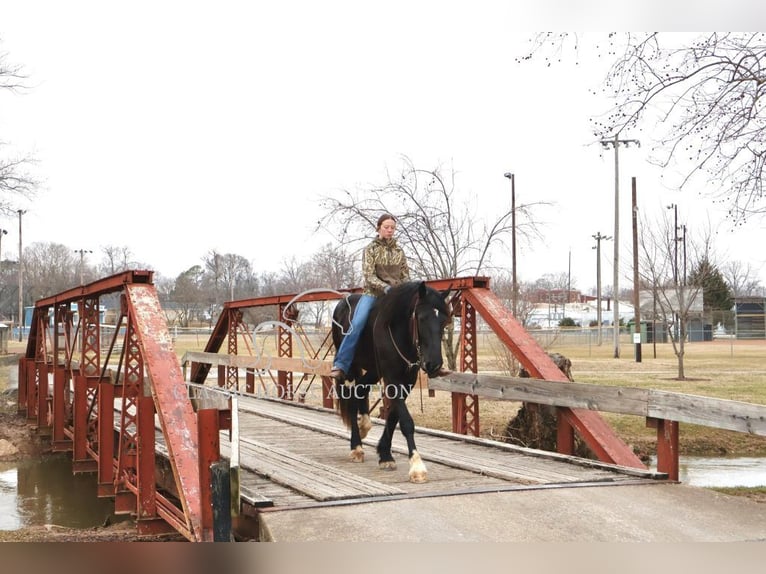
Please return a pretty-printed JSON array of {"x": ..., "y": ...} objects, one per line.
[
  {"x": 46, "y": 492},
  {"x": 721, "y": 471}
]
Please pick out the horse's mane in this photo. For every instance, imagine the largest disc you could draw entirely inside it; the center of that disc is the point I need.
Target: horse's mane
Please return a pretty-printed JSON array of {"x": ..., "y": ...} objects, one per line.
[{"x": 397, "y": 303}]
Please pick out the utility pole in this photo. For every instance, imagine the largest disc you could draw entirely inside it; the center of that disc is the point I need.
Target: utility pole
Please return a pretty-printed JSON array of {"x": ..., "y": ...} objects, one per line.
[
  {"x": 615, "y": 143},
  {"x": 636, "y": 299},
  {"x": 82, "y": 253},
  {"x": 514, "y": 286},
  {"x": 21, "y": 280},
  {"x": 2, "y": 232},
  {"x": 598, "y": 237},
  {"x": 674, "y": 207},
  {"x": 683, "y": 239}
]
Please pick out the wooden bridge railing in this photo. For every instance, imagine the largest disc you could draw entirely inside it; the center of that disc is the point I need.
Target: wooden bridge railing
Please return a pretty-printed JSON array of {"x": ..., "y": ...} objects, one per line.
[{"x": 663, "y": 409}]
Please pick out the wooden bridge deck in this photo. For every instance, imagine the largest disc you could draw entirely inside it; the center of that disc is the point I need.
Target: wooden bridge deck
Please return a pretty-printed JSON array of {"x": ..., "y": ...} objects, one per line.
[{"x": 297, "y": 456}]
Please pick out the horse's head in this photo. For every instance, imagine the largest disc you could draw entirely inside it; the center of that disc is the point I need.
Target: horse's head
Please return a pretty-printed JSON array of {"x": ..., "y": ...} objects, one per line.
[{"x": 432, "y": 314}]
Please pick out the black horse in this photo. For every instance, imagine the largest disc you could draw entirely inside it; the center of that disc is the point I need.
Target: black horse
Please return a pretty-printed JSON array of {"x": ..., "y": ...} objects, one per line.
[{"x": 403, "y": 334}]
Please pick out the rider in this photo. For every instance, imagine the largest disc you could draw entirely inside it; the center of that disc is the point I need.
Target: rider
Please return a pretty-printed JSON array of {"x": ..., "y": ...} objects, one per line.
[{"x": 384, "y": 265}]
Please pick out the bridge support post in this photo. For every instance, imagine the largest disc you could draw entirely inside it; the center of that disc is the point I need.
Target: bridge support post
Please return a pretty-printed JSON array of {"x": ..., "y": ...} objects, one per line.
[
  {"x": 43, "y": 392},
  {"x": 465, "y": 408},
  {"x": 210, "y": 421},
  {"x": 667, "y": 445},
  {"x": 105, "y": 486},
  {"x": 60, "y": 442},
  {"x": 80, "y": 461},
  {"x": 30, "y": 382},
  {"x": 565, "y": 435}
]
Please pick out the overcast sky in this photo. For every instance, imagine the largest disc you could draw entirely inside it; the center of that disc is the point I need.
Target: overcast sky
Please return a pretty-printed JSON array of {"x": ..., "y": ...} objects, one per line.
[{"x": 179, "y": 127}]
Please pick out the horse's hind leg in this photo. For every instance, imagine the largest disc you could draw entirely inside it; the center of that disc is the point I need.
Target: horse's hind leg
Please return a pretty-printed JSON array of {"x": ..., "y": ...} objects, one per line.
[
  {"x": 357, "y": 452},
  {"x": 365, "y": 424}
]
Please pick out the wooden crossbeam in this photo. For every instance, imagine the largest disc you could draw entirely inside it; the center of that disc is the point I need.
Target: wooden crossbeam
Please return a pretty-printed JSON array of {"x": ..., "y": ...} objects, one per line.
[{"x": 707, "y": 411}]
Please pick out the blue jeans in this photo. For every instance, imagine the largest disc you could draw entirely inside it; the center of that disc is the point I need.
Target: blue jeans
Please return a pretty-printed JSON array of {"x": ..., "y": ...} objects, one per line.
[{"x": 345, "y": 355}]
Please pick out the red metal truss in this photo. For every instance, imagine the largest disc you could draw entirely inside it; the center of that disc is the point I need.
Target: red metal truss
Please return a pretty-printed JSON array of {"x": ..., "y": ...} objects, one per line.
[
  {"x": 475, "y": 300},
  {"x": 69, "y": 388},
  {"x": 171, "y": 401},
  {"x": 596, "y": 433},
  {"x": 465, "y": 408}
]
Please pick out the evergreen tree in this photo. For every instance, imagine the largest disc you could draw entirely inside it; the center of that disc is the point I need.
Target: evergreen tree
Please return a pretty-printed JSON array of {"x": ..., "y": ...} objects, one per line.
[{"x": 716, "y": 294}]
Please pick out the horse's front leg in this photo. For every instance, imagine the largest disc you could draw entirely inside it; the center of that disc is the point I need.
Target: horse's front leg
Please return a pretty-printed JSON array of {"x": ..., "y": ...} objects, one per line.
[
  {"x": 418, "y": 472},
  {"x": 385, "y": 458}
]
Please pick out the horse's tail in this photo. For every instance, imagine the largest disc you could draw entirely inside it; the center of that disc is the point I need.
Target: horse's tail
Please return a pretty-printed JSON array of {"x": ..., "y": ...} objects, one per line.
[{"x": 343, "y": 395}]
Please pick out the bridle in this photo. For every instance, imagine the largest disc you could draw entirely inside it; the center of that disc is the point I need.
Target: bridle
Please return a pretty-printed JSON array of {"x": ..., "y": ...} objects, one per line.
[{"x": 415, "y": 339}]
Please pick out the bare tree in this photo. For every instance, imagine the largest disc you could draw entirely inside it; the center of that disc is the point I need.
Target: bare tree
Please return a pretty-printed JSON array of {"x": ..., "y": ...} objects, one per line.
[
  {"x": 15, "y": 180},
  {"x": 741, "y": 278},
  {"x": 49, "y": 268},
  {"x": 116, "y": 258},
  {"x": 441, "y": 236},
  {"x": 502, "y": 286},
  {"x": 668, "y": 296},
  {"x": 704, "y": 94},
  {"x": 227, "y": 277},
  {"x": 333, "y": 267},
  {"x": 188, "y": 296}
]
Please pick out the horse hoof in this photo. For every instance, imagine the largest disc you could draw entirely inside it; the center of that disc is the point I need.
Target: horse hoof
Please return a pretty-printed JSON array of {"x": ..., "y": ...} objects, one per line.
[
  {"x": 356, "y": 455},
  {"x": 387, "y": 465},
  {"x": 418, "y": 477},
  {"x": 365, "y": 424},
  {"x": 418, "y": 473}
]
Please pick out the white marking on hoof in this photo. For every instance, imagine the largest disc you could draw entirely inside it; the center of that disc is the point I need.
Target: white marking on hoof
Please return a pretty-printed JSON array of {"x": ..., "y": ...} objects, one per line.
[
  {"x": 365, "y": 424},
  {"x": 387, "y": 465},
  {"x": 357, "y": 455},
  {"x": 418, "y": 472}
]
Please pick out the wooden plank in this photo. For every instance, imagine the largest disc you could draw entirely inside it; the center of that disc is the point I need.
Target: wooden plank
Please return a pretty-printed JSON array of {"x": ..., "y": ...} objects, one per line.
[
  {"x": 624, "y": 400},
  {"x": 317, "y": 480},
  {"x": 431, "y": 441},
  {"x": 708, "y": 411},
  {"x": 297, "y": 364},
  {"x": 250, "y": 495}
]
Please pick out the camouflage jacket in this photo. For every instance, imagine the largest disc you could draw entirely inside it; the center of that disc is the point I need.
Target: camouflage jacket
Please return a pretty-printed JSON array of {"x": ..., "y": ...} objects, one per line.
[{"x": 383, "y": 263}]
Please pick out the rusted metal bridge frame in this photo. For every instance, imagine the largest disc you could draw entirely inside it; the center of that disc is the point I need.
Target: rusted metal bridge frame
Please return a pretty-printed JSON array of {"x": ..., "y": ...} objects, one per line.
[
  {"x": 68, "y": 387},
  {"x": 67, "y": 390},
  {"x": 471, "y": 299}
]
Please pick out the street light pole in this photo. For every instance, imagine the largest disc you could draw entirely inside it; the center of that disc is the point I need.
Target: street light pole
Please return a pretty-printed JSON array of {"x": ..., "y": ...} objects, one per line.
[
  {"x": 21, "y": 278},
  {"x": 514, "y": 287},
  {"x": 598, "y": 237},
  {"x": 615, "y": 143},
  {"x": 82, "y": 253}
]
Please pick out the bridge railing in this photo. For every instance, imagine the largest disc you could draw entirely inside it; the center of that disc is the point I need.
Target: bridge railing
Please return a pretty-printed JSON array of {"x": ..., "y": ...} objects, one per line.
[{"x": 663, "y": 410}]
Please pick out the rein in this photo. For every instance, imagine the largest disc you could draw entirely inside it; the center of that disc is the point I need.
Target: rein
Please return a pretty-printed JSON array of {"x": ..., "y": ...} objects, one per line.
[{"x": 415, "y": 339}]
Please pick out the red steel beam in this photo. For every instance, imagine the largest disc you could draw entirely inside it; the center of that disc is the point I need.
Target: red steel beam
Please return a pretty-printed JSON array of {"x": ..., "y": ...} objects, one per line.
[
  {"x": 168, "y": 389},
  {"x": 103, "y": 286},
  {"x": 457, "y": 283},
  {"x": 597, "y": 434}
]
